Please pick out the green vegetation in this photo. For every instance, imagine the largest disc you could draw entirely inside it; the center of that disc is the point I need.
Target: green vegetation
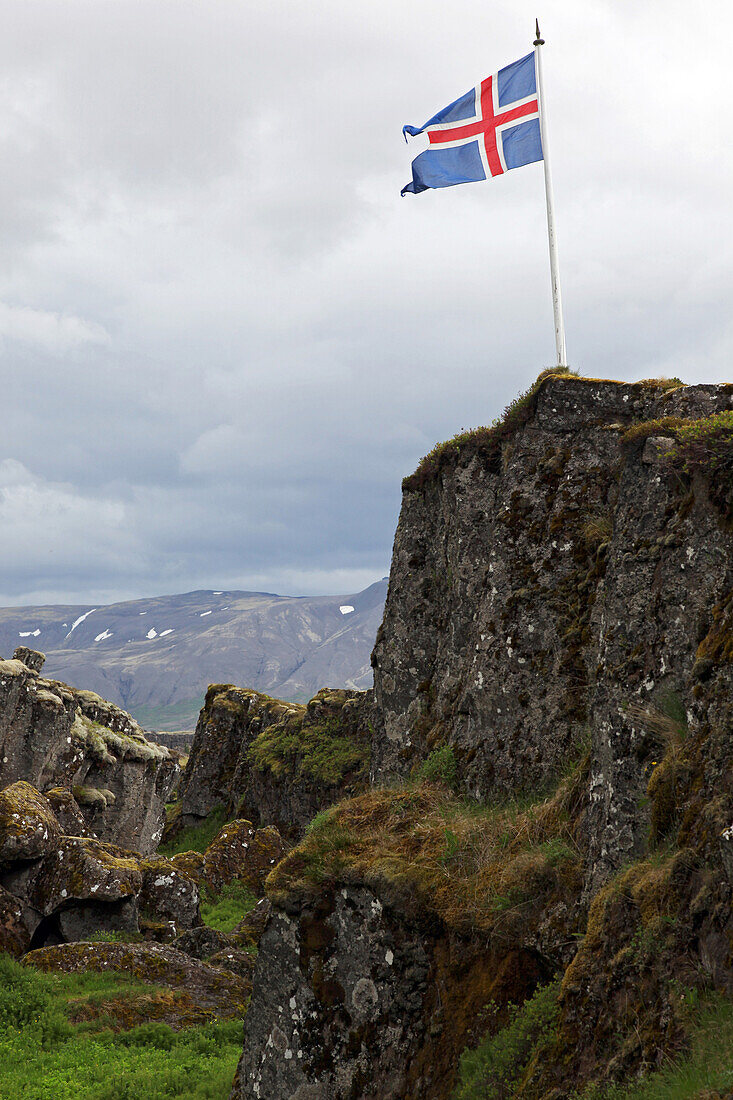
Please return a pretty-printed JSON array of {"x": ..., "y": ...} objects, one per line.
[
  {"x": 225, "y": 910},
  {"x": 320, "y": 751},
  {"x": 495, "y": 1067},
  {"x": 173, "y": 717},
  {"x": 705, "y": 1073},
  {"x": 195, "y": 838},
  {"x": 441, "y": 766},
  {"x": 706, "y": 444},
  {"x": 705, "y": 447},
  {"x": 638, "y": 433},
  {"x": 45, "y": 1055},
  {"x": 115, "y": 937}
]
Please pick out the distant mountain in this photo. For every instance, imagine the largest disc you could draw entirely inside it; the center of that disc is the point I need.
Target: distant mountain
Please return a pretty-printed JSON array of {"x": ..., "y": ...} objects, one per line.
[{"x": 155, "y": 657}]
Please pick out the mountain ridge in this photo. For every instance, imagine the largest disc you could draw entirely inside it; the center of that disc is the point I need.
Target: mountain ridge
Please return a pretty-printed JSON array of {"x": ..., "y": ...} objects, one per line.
[{"x": 156, "y": 656}]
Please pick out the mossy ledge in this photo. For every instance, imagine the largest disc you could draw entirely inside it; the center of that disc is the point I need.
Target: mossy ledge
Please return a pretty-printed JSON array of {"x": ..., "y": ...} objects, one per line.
[{"x": 478, "y": 869}]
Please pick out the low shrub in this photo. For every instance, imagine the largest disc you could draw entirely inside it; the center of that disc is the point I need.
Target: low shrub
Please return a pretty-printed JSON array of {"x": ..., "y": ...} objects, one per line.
[{"x": 441, "y": 767}]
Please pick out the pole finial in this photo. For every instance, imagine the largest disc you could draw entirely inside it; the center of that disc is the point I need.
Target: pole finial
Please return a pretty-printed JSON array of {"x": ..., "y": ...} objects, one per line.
[{"x": 539, "y": 41}]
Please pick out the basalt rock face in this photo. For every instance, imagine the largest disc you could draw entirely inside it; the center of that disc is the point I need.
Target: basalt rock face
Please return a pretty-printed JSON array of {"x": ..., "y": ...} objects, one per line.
[
  {"x": 53, "y": 735},
  {"x": 272, "y": 762},
  {"x": 560, "y": 615},
  {"x": 555, "y": 582},
  {"x": 361, "y": 994}
]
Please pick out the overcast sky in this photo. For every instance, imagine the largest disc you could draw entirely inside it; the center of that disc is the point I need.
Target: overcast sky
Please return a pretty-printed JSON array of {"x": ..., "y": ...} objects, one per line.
[{"x": 224, "y": 336}]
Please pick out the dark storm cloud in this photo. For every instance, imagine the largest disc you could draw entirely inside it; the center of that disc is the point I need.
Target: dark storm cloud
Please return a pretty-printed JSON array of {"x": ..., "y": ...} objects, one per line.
[{"x": 225, "y": 337}]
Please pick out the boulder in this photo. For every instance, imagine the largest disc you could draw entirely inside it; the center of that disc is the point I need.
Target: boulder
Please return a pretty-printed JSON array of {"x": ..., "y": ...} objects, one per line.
[
  {"x": 236, "y": 960},
  {"x": 169, "y": 894},
  {"x": 240, "y": 852},
  {"x": 202, "y": 942},
  {"x": 190, "y": 863},
  {"x": 29, "y": 828}
]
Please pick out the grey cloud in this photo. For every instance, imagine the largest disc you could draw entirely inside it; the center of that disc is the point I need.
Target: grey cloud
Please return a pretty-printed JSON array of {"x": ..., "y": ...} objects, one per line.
[{"x": 226, "y": 338}]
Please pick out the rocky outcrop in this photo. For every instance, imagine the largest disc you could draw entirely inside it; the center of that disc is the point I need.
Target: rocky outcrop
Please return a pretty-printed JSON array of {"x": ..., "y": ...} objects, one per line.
[
  {"x": 62, "y": 887},
  {"x": 559, "y": 618},
  {"x": 56, "y": 887},
  {"x": 274, "y": 762},
  {"x": 31, "y": 658},
  {"x": 395, "y": 924},
  {"x": 52, "y": 735},
  {"x": 242, "y": 853},
  {"x": 169, "y": 894},
  {"x": 552, "y": 576}
]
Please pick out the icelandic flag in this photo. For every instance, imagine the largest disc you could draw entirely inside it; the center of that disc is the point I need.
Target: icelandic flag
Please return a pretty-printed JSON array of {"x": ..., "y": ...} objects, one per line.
[{"x": 494, "y": 127}]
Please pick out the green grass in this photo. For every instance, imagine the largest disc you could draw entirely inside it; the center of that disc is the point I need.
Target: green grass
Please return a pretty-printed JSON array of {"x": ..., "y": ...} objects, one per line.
[
  {"x": 225, "y": 911},
  {"x": 708, "y": 1066},
  {"x": 196, "y": 838},
  {"x": 178, "y": 717},
  {"x": 43, "y": 1056}
]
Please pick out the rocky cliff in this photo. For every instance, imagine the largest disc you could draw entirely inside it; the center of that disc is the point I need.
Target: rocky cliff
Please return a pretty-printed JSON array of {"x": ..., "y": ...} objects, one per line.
[
  {"x": 274, "y": 762},
  {"x": 52, "y": 735},
  {"x": 552, "y": 579},
  {"x": 552, "y": 814}
]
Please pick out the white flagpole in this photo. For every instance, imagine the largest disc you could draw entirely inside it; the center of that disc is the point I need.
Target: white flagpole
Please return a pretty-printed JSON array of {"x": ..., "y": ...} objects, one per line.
[{"x": 554, "y": 270}]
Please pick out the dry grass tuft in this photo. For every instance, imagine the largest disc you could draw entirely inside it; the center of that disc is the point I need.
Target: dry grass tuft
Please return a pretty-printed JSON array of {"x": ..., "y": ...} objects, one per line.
[
  {"x": 668, "y": 729},
  {"x": 597, "y": 529},
  {"x": 478, "y": 868}
]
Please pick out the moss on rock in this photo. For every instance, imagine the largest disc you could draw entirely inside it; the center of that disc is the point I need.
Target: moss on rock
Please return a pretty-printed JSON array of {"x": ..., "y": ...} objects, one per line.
[{"x": 28, "y": 826}]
